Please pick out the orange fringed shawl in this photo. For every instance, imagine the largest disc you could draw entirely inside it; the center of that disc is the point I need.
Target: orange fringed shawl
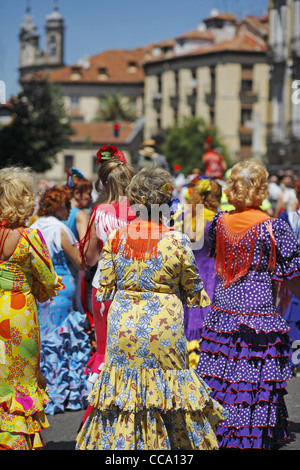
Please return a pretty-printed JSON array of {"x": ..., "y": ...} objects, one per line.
[
  {"x": 140, "y": 239},
  {"x": 237, "y": 234}
]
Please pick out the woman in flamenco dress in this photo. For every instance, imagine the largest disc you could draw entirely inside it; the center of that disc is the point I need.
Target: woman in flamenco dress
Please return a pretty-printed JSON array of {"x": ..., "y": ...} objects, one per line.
[{"x": 245, "y": 344}]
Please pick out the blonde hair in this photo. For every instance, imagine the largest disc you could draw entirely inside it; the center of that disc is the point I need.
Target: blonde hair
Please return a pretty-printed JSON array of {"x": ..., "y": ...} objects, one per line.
[
  {"x": 17, "y": 196},
  {"x": 149, "y": 186},
  {"x": 248, "y": 184},
  {"x": 115, "y": 176}
]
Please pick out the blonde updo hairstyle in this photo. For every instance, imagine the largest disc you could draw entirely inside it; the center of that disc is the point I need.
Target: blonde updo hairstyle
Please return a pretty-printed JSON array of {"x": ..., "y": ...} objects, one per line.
[
  {"x": 247, "y": 185},
  {"x": 113, "y": 177},
  {"x": 17, "y": 196},
  {"x": 150, "y": 186}
]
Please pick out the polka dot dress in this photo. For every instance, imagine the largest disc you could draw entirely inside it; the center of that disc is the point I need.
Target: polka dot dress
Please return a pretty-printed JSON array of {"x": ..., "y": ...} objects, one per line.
[{"x": 245, "y": 345}]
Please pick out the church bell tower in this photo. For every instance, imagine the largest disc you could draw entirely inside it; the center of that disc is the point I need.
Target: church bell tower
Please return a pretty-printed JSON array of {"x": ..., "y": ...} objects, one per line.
[{"x": 31, "y": 57}]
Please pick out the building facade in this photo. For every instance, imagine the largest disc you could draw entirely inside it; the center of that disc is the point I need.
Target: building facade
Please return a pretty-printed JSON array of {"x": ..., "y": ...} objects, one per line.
[
  {"x": 218, "y": 72},
  {"x": 283, "y": 137},
  {"x": 84, "y": 87}
]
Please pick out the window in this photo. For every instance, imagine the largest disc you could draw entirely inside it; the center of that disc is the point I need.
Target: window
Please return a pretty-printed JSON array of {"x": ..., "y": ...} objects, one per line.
[
  {"x": 52, "y": 45},
  {"x": 69, "y": 161},
  {"x": 132, "y": 67},
  {"x": 95, "y": 164},
  {"x": 213, "y": 79},
  {"x": 74, "y": 102},
  {"x": 246, "y": 115},
  {"x": 246, "y": 86},
  {"x": 102, "y": 73}
]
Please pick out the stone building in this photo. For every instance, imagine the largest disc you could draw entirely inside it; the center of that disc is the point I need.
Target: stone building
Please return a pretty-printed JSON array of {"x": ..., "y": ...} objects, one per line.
[
  {"x": 218, "y": 72},
  {"x": 31, "y": 57},
  {"x": 283, "y": 136}
]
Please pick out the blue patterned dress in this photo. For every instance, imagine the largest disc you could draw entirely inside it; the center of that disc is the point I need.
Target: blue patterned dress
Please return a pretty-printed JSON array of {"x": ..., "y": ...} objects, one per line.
[{"x": 65, "y": 345}]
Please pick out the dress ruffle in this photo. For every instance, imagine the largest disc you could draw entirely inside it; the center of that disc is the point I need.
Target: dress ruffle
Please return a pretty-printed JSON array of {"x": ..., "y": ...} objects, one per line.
[
  {"x": 247, "y": 373},
  {"x": 22, "y": 420},
  {"x": 131, "y": 394},
  {"x": 64, "y": 355},
  {"x": 222, "y": 321}
]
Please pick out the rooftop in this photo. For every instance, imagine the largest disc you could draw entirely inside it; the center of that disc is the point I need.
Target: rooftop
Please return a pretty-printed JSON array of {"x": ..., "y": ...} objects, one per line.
[{"x": 111, "y": 66}]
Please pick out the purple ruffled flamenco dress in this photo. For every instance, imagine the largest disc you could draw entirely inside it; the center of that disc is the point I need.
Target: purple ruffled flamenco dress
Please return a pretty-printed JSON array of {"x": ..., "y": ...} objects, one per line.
[
  {"x": 193, "y": 317},
  {"x": 245, "y": 345}
]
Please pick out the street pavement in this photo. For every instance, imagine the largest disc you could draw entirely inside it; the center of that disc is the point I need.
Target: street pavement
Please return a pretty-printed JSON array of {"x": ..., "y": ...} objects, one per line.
[{"x": 64, "y": 426}]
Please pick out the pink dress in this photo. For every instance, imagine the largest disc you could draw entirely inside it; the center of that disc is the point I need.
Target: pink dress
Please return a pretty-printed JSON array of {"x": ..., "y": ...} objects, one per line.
[{"x": 107, "y": 218}]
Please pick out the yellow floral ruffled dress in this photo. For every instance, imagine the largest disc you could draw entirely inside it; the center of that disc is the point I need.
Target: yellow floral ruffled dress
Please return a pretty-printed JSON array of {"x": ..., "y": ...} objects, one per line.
[
  {"x": 145, "y": 397},
  {"x": 28, "y": 274}
]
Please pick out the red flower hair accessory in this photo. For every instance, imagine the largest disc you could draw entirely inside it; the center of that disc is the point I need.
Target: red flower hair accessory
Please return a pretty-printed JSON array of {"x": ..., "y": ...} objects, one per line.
[{"x": 108, "y": 151}]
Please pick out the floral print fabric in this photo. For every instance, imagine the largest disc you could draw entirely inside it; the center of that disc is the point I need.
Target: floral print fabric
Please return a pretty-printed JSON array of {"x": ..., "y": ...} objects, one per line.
[
  {"x": 145, "y": 397},
  {"x": 22, "y": 388}
]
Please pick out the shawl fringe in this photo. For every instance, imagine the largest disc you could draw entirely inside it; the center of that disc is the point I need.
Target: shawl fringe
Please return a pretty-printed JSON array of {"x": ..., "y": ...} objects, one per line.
[
  {"x": 234, "y": 251},
  {"x": 140, "y": 239}
]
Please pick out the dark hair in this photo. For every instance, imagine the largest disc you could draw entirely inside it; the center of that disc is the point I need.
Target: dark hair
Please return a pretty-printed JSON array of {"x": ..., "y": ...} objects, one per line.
[
  {"x": 297, "y": 188},
  {"x": 80, "y": 184}
]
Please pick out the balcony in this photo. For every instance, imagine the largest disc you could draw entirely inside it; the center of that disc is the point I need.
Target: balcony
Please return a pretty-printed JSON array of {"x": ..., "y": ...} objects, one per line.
[
  {"x": 245, "y": 134},
  {"x": 276, "y": 132},
  {"x": 191, "y": 100},
  {"x": 248, "y": 97},
  {"x": 174, "y": 100},
  {"x": 157, "y": 100},
  {"x": 210, "y": 98}
]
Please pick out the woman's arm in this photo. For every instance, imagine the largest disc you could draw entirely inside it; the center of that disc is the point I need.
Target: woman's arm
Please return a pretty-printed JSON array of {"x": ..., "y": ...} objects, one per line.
[
  {"x": 82, "y": 221},
  {"x": 72, "y": 253},
  {"x": 92, "y": 248}
]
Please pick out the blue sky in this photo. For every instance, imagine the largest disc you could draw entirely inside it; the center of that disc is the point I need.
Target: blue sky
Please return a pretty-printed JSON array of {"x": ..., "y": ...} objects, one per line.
[{"x": 93, "y": 26}]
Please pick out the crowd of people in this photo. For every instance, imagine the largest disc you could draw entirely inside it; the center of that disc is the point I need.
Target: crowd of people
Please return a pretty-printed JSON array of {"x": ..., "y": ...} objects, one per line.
[{"x": 167, "y": 309}]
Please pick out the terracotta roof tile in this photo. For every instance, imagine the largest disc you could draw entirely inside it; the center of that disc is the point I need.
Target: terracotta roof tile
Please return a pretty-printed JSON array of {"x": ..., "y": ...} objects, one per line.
[
  {"x": 195, "y": 34},
  {"x": 222, "y": 16},
  {"x": 245, "y": 42},
  {"x": 100, "y": 132},
  {"x": 116, "y": 63}
]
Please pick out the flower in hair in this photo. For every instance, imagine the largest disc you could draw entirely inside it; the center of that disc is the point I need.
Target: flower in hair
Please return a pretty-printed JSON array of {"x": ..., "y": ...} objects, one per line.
[
  {"x": 108, "y": 151},
  {"x": 73, "y": 173},
  {"x": 204, "y": 185},
  {"x": 167, "y": 188}
]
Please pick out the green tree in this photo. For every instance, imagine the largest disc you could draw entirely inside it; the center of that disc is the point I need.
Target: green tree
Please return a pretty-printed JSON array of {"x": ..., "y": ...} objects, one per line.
[
  {"x": 184, "y": 144},
  {"x": 40, "y": 129},
  {"x": 116, "y": 107}
]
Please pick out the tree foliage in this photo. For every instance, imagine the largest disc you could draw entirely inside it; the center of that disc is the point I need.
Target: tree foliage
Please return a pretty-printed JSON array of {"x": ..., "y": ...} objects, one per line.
[
  {"x": 116, "y": 107},
  {"x": 184, "y": 144},
  {"x": 40, "y": 130}
]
